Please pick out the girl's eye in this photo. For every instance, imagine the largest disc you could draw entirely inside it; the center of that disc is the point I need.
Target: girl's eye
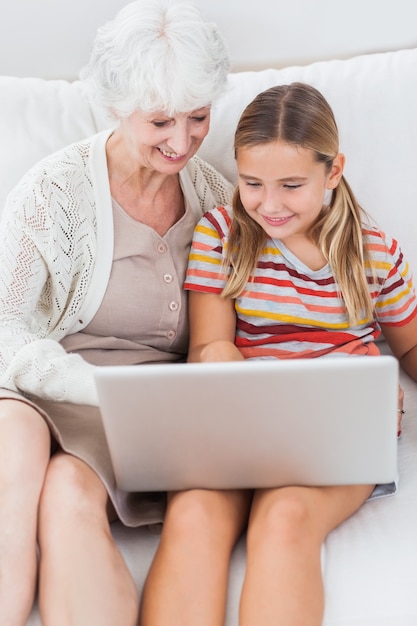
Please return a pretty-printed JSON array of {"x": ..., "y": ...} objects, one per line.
[
  {"x": 295, "y": 186},
  {"x": 251, "y": 183},
  {"x": 199, "y": 118}
]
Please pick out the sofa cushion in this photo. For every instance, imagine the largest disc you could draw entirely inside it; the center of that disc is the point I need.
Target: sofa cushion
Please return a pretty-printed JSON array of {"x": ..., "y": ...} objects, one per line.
[{"x": 37, "y": 117}]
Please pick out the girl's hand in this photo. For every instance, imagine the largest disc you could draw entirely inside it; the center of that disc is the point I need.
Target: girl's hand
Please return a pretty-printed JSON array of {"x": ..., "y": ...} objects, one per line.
[
  {"x": 400, "y": 408},
  {"x": 220, "y": 350}
]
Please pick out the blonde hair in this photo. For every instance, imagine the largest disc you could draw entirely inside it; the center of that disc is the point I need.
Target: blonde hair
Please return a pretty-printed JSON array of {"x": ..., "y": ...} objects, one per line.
[{"x": 298, "y": 114}]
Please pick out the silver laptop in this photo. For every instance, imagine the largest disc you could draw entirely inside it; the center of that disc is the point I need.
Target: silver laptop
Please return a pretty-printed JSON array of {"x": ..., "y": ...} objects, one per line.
[{"x": 255, "y": 423}]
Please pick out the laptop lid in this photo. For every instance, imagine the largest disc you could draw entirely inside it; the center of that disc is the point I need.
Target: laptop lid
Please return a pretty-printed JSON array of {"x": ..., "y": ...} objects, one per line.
[{"x": 251, "y": 424}]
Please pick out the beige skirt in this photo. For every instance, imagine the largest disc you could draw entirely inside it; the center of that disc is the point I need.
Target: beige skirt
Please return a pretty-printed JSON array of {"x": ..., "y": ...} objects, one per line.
[{"x": 78, "y": 430}]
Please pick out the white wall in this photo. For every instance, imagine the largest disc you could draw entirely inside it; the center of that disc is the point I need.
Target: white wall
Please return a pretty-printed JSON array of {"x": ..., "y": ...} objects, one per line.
[{"x": 51, "y": 38}]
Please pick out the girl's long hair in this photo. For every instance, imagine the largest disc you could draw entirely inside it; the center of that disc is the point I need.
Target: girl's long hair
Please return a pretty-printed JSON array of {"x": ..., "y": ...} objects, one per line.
[{"x": 298, "y": 114}]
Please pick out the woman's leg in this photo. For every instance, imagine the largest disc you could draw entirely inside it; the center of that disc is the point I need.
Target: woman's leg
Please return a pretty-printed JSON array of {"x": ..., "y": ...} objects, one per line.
[
  {"x": 83, "y": 577},
  {"x": 187, "y": 582},
  {"x": 287, "y": 527},
  {"x": 24, "y": 456}
]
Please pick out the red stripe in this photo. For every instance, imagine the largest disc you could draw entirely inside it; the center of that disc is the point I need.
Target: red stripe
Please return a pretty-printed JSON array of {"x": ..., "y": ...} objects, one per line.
[{"x": 203, "y": 288}]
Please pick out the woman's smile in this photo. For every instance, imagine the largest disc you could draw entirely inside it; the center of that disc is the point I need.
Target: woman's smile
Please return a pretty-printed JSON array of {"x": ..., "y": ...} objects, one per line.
[{"x": 171, "y": 156}]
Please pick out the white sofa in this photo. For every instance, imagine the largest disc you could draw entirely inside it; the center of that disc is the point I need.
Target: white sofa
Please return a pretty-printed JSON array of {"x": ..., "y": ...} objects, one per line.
[{"x": 370, "y": 564}]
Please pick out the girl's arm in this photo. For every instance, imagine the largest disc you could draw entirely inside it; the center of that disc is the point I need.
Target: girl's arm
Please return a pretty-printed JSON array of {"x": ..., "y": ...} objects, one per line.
[
  {"x": 403, "y": 343},
  {"x": 212, "y": 328}
]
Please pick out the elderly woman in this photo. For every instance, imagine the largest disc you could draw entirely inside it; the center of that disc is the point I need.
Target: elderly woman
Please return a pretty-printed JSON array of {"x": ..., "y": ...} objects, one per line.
[{"x": 93, "y": 250}]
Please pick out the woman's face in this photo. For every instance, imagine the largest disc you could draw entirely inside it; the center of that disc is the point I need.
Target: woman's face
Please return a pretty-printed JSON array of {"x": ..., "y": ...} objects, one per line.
[
  {"x": 282, "y": 187},
  {"x": 164, "y": 143}
]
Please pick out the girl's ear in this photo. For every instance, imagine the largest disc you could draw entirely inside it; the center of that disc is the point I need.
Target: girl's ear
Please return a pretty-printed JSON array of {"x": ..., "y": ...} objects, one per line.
[
  {"x": 336, "y": 171},
  {"x": 328, "y": 195}
]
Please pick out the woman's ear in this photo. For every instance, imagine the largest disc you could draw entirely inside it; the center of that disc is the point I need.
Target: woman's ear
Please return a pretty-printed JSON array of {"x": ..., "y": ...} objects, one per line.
[{"x": 336, "y": 171}]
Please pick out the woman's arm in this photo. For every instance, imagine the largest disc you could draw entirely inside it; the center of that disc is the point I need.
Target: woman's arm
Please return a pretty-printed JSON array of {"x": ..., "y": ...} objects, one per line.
[
  {"x": 212, "y": 328},
  {"x": 45, "y": 266}
]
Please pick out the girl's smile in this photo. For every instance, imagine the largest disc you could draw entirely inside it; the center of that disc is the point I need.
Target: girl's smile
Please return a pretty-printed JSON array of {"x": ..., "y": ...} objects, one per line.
[{"x": 277, "y": 221}]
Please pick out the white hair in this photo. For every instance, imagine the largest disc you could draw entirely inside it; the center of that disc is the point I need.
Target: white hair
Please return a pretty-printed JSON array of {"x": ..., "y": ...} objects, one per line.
[{"x": 157, "y": 55}]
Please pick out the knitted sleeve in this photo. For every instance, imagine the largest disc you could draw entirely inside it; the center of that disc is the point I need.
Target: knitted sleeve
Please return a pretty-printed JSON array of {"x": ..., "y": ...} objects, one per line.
[
  {"x": 211, "y": 187},
  {"x": 46, "y": 255}
]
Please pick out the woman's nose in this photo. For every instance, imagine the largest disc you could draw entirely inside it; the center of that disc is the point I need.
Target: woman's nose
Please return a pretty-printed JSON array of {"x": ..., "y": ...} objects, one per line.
[{"x": 180, "y": 139}]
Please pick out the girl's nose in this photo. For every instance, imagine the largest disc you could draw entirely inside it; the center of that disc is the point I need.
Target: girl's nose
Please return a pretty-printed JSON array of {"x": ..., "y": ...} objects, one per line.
[{"x": 271, "y": 203}]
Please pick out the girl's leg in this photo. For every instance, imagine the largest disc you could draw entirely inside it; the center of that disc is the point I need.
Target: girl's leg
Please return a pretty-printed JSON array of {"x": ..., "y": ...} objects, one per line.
[
  {"x": 24, "y": 455},
  {"x": 287, "y": 527},
  {"x": 187, "y": 582},
  {"x": 83, "y": 577}
]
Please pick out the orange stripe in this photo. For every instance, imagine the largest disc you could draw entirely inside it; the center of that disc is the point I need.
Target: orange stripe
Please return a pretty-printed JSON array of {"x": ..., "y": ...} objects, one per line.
[
  {"x": 198, "y": 245},
  {"x": 398, "y": 310},
  {"x": 204, "y": 274}
]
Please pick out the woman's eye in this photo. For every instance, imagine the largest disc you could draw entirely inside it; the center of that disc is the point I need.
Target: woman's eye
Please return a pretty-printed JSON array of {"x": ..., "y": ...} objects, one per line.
[
  {"x": 295, "y": 186},
  {"x": 199, "y": 118},
  {"x": 252, "y": 183},
  {"x": 159, "y": 124}
]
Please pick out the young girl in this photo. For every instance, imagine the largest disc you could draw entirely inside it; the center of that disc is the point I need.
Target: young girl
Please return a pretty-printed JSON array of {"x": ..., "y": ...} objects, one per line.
[{"x": 293, "y": 270}]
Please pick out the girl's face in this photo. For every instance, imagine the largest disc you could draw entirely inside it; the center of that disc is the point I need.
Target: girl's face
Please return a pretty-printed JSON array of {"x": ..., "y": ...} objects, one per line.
[
  {"x": 163, "y": 143},
  {"x": 282, "y": 187}
]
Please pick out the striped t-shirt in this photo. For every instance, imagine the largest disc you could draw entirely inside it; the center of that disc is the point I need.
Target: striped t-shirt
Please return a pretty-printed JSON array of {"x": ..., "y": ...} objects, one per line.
[{"x": 288, "y": 310}]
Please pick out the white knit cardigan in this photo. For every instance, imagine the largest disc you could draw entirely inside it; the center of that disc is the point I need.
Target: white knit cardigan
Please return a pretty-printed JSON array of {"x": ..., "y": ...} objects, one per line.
[{"x": 56, "y": 250}]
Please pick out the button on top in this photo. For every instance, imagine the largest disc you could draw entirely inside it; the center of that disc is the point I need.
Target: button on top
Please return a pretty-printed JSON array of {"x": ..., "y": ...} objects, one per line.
[{"x": 162, "y": 248}]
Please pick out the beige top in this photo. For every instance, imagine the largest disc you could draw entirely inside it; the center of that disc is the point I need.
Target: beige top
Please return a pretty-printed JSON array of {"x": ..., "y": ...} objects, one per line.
[
  {"x": 142, "y": 317},
  {"x": 151, "y": 323}
]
